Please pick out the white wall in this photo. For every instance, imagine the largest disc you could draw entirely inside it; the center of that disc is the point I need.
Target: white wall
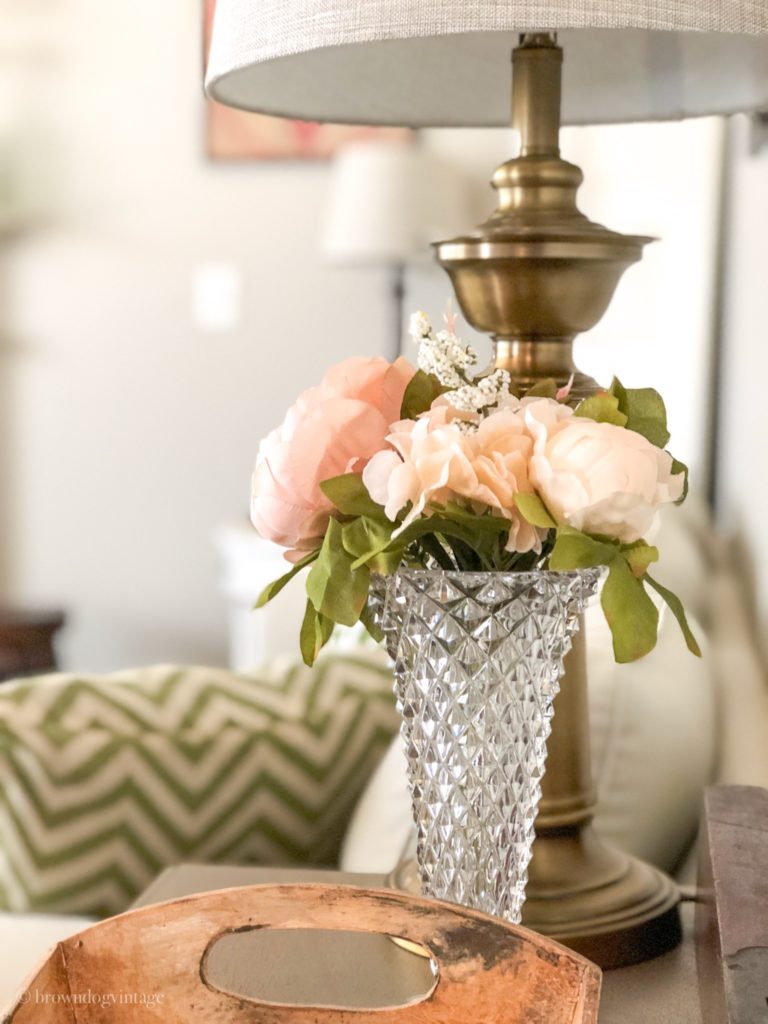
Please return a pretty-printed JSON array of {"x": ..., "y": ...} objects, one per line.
[
  {"x": 743, "y": 449},
  {"x": 131, "y": 434}
]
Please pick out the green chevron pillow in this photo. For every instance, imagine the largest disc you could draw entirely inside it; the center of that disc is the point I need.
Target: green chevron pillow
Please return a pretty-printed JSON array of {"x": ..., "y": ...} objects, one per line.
[{"x": 104, "y": 781}]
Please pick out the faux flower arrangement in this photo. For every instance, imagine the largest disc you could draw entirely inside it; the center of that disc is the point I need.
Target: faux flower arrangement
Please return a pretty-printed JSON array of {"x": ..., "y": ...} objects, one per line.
[{"x": 384, "y": 464}]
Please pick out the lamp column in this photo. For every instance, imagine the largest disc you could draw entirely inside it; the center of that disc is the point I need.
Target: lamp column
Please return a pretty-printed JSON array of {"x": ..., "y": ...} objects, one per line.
[{"x": 533, "y": 276}]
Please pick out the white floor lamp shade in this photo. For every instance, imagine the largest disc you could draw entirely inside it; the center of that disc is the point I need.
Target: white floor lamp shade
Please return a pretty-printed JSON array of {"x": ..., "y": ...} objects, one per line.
[
  {"x": 375, "y": 205},
  {"x": 388, "y": 200}
]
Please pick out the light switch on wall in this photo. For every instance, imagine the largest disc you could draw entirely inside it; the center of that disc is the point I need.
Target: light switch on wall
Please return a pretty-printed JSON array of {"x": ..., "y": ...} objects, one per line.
[{"x": 217, "y": 297}]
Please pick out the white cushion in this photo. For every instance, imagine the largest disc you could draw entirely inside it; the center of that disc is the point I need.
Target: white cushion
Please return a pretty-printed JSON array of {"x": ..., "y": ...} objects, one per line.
[
  {"x": 653, "y": 741},
  {"x": 26, "y": 940},
  {"x": 381, "y": 826}
]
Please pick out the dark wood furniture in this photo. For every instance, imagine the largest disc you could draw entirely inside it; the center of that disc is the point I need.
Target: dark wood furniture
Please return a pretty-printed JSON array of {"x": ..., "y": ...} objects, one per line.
[
  {"x": 27, "y": 642},
  {"x": 732, "y": 907}
]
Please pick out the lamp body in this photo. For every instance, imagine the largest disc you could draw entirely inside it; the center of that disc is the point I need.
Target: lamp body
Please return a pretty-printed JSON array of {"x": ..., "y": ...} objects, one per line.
[
  {"x": 615, "y": 909},
  {"x": 537, "y": 272}
]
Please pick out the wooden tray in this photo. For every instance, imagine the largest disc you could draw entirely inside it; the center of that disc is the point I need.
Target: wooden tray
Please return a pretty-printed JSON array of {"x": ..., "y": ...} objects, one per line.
[{"x": 487, "y": 971}]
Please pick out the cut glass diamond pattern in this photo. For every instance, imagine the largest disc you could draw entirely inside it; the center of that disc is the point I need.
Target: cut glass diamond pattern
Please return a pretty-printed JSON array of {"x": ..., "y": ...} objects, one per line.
[{"x": 478, "y": 660}]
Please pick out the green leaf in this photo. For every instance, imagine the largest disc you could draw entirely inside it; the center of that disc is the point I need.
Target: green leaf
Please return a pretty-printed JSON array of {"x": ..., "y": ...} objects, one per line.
[
  {"x": 534, "y": 511},
  {"x": 368, "y": 619},
  {"x": 546, "y": 388},
  {"x": 486, "y": 523},
  {"x": 677, "y": 609},
  {"x": 575, "y": 550},
  {"x": 645, "y": 412},
  {"x": 350, "y": 496},
  {"x": 366, "y": 540},
  {"x": 466, "y": 557},
  {"x": 680, "y": 467},
  {"x": 433, "y": 547},
  {"x": 272, "y": 589},
  {"x": 315, "y": 633},
  {"x": 639, "y": 556},
  {"x": 618, "y": 389},
  {"x": 336, "y": 589},
  {"x": 363, "y": 536},
  {"x": 630, "y": 613},
  {"x": 452, "y": 521},
  {"x": 604, "y": 408},
  {"x": 421, "y": 392}
]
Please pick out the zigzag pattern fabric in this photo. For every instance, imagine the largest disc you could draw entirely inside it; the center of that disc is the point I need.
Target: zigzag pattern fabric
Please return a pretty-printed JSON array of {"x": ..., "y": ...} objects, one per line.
[{"x": 106, "y": 781}]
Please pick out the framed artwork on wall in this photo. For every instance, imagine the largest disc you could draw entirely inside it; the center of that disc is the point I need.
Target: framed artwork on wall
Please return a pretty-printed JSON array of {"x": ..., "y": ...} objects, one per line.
[{"x": 240, "y": 135}]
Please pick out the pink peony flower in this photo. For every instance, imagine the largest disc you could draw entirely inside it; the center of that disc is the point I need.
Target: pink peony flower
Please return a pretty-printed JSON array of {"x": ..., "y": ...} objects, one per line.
[
  {"x": 431, "y": 460},
  {"x": 543, "y": 417},
  {"x": 502, "y": 450},
  {"x": 598, "y": 477},
  {"x": 333, "y": 428}
]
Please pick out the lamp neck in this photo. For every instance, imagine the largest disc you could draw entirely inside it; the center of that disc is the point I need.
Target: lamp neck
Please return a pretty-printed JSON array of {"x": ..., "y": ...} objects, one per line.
[
  {"x": 537, "y": 272},
  {"x": 537, "y": 183},
  {"x": 530, "y": 360},
  {"x": 536, "y": 93}
]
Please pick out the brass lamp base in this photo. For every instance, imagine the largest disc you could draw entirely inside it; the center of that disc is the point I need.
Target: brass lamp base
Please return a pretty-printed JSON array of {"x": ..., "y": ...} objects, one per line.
[
  {"x": 608, "y": 906},
  {"x": 612, "y": 908}
]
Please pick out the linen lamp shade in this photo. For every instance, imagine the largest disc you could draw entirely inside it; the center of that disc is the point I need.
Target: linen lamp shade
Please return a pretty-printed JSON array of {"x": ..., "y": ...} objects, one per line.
[{"x": 446, "y": 62}]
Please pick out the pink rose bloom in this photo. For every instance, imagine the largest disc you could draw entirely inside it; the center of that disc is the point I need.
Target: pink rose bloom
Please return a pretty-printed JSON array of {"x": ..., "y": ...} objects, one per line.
[
  {"x": 543, "y": 417},
  {"x": 431, "y": 460},
  {"x": 598, "y": 477},
  {"x": 502, "y": 449},
  {"x": 333, "y": 428}
]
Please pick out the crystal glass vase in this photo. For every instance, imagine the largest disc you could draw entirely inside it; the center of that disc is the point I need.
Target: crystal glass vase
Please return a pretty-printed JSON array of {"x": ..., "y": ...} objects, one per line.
[{"x": 478, "y": 660}]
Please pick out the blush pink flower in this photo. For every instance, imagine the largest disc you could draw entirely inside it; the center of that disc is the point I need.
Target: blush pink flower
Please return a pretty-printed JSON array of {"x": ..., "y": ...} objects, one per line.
[
  {"x": 543, "y": 418},
  {"x": 432, "y": 461},
  {"x": 333, "y": 428},
  {"x": 599, "y": 478},
  {"x": 429, "y": 460},
  {"x": 502, "y": 450}
]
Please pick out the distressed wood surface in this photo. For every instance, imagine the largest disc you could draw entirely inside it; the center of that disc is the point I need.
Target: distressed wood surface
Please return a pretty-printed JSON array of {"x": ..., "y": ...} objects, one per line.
[
  {"x": 489, "y": 971},
  {"x": 732, "y": 907}
]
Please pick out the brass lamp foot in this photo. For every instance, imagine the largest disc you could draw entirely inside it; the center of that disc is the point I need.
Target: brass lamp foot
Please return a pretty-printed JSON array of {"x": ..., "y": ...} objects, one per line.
[
  {"x": 610, "y": 907},
  {"x": 614, "y": 909}
]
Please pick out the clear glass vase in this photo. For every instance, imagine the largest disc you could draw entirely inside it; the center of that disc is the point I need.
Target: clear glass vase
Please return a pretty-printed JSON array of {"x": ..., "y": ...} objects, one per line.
[{"x": 478, "y": 660}]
